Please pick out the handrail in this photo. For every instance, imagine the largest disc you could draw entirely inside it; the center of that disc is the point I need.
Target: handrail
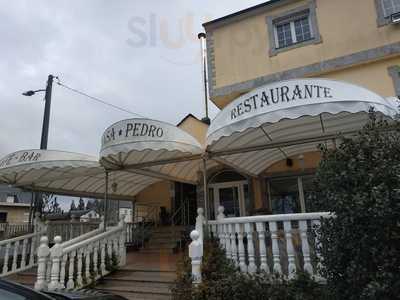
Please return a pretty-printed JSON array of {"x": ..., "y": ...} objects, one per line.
[
  {"x": 175, "y": 214},
  {"x": 82, "y": 237},
  {"x": 22, "y": 237},
  {"x": 93, "y": 239},
  {"x": 272, "y": 218}
]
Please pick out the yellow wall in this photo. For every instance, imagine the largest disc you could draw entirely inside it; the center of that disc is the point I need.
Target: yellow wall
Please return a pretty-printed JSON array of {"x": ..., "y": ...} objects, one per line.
[
  {"x": 16, "y": 214},
  {"x": 242, "y": 48},
  {"x": 196, "y": 128},
  {"x": 158, "y": 194},
  {"x": 311, "y": 161}
]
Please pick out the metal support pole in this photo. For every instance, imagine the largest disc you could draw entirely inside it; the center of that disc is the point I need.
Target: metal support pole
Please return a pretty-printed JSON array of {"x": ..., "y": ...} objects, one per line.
[
  {"x": 202, "y": 37},
  {"x": 205, "y": 184},
  {"x": 106, "y": 201}
]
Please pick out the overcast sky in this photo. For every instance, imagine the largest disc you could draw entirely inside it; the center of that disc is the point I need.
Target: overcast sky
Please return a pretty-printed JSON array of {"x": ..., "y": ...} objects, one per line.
[{"x": 141, "y": 55}]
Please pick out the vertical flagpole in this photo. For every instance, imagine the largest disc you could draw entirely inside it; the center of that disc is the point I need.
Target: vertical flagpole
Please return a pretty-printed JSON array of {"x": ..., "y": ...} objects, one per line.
[{"x": 105, "y": 201}]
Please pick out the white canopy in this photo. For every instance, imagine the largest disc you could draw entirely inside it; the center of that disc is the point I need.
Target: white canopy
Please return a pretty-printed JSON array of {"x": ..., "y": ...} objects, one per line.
[
  {"x": 286, "y": 118},
  {"x": 67, "y": 173},
  {"x": 152, "y": 148}
]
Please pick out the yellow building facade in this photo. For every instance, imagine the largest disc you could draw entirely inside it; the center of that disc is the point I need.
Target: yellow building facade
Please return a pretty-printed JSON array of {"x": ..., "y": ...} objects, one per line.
[{"x": 355, "y": 41}]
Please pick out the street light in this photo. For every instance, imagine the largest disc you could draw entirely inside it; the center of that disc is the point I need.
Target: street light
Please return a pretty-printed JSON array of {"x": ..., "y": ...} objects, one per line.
[{"x": 46, "y": 117}]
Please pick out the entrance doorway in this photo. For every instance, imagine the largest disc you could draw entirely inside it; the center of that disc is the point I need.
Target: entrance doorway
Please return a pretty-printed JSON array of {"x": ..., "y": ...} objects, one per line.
[
  {"x": 230, "y": 190},
  {"x": 230, "y": 195}
]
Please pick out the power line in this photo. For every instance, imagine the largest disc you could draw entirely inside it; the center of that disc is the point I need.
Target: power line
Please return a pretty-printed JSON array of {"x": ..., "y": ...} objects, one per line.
[{"x": 97, "y": 99}]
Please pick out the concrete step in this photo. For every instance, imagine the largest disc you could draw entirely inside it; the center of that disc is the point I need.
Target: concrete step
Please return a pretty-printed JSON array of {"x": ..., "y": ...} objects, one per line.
[
  {"x": 138, "y": 290},
  {"x": 144, "y": 276},
  {"x": 154, "y": 245},
  {"x": 151, "y": 285}
]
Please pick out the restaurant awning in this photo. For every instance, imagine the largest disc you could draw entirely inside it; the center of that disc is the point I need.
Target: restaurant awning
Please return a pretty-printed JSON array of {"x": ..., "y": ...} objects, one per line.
[
  {"x": 151, "y": 148},
  {"x": 67, "y": 173},
  {"x": 287, "y": 118}
]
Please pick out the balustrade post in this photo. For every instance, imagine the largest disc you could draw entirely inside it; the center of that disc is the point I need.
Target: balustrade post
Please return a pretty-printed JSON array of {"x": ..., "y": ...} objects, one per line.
[
  {"x": 95, "y": 260},
  {"x": 6, "y": 256},
  {"x": 42, "y": 253},
  {"x": 275, "y": 248},
  {"x": 234, "y": 253},
  {"x": 87, "y": 252},
  {"x": 62, "y": 271},
  {"x": 79, "y": 279},
  {"x": 220, "y": 227},
  {"x": 103, "y": 257},
  {"x": 242, "y": 257},
  {"x": 23, "y": 254},
  {"x": 249, "y": 228},
  {"x": 32, "y": 251},
  {"x": 290, "y": 249},
  {"x": 55, "y": 258},
  {"x": 196, "y": 255},
  {"x": 263, "y": 250},
  {"x": 15, "y": 256},
  {"x": 71, "y": 282},
  {"x": 121, "y": 240},
  {"x": 305, "y": 247},
  {"x": 227, "y": 242},
  {"x": 199, "y": 223}
]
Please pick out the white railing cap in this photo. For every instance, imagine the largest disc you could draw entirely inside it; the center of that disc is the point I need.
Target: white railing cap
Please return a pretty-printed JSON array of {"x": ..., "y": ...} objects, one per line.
[{"x": 273, "y": 218}]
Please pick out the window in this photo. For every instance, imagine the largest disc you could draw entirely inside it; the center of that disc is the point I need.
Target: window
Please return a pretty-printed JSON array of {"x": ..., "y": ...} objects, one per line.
[
  {"x": 295, "y": 28},
  {"x": 390, "y": 7},
  {"x": 292, "y": 32},
  {"x": 289, "y": 194},
  {"x": 384, "y": 9}
]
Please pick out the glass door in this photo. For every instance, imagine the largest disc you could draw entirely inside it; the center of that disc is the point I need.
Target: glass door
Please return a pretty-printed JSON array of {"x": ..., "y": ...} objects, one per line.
[{"x": 229, "y": 198}]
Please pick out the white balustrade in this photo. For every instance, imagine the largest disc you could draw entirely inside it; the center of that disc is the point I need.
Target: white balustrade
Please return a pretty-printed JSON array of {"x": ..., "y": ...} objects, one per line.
[
  {"x": 74, "y": 264},
  {"x": 19, "y": 253},
  {"x": 270, "y": 238}
]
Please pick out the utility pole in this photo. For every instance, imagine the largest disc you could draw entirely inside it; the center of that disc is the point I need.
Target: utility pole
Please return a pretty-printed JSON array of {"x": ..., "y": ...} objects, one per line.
[
  {"x": 45, "y": 133},
  {"x": 46, "y": 117}
]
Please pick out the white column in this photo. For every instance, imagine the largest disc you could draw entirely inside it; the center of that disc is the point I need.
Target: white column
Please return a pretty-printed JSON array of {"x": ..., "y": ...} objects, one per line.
[
  {"x": 196, "y": 255},
  {"x": 32, "y": 251},
  {"x": 249, "y": 228},
  {"x": 263, "y": 250},
  {"x": 305, "y": 247},
  {"x": 275, "y": 248},
  {"x": 42, "y": 253},
  {"x": 290, "y": 249},
  {"x": 121, "y": 241},
  {"x": 55, "y": 258},
  {"x": 242, "y": 257}
]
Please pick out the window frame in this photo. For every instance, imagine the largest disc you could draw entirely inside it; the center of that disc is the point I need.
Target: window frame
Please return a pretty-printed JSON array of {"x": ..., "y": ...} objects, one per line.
[
  {"x": 381, "y": 19},
  {"x": 290, "y": 16}
]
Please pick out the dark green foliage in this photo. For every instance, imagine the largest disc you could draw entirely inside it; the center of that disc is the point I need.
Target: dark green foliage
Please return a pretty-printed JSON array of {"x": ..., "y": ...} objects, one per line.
[
  {"x": 221, "y": 280},
  {"x": 360, "y": 182}
]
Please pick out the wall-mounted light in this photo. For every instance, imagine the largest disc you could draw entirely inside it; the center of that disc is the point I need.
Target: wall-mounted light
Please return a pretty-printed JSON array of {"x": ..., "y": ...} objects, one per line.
[{"x": 301, "y": 162}]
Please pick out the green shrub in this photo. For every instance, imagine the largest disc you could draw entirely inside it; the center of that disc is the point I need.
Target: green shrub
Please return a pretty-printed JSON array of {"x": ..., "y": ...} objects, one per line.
[
  {"x": 221, "y": 280},
  {"x": 360, "y": 182}
]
